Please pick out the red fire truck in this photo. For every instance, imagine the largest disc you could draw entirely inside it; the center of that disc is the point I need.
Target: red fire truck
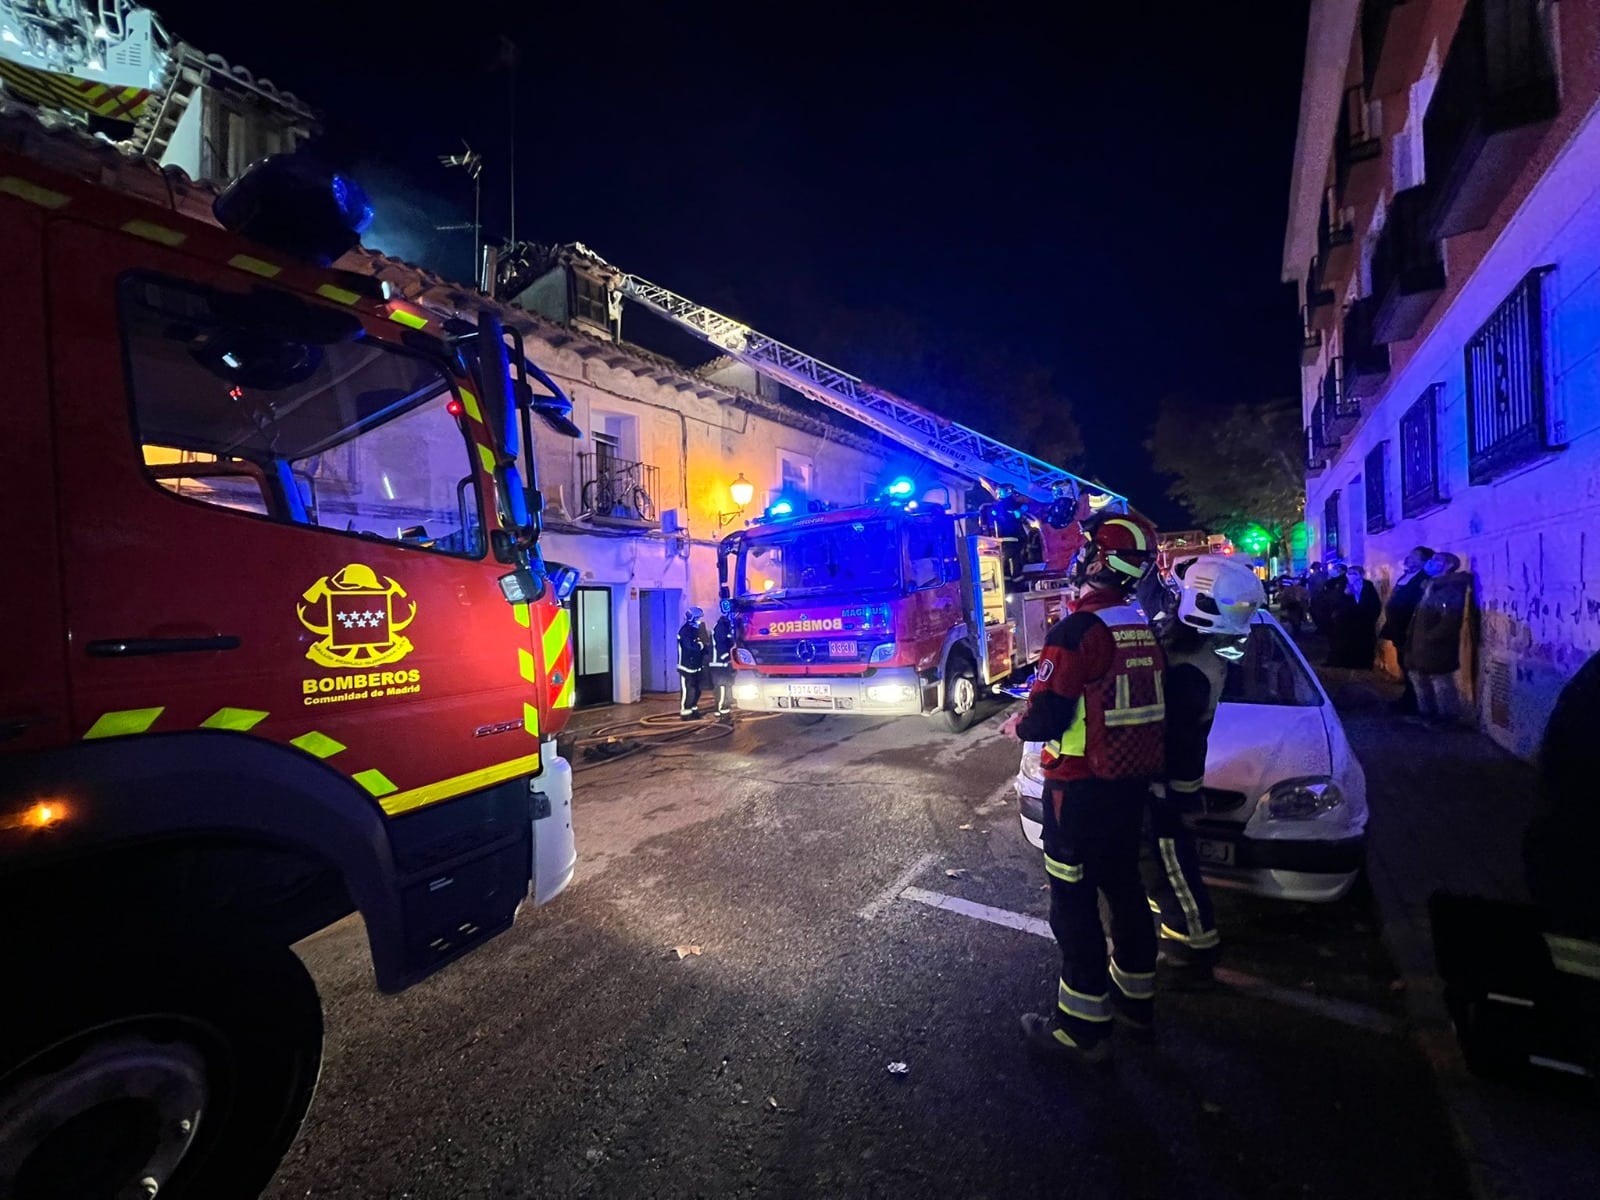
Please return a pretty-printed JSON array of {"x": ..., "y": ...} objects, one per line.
[
  {"x": 882, "y": 610},
  {"x": 281, "y": 647}
]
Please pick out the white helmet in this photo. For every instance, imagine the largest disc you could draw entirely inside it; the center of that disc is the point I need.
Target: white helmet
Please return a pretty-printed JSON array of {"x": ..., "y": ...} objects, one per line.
[{"x": 1219, "y": 596}]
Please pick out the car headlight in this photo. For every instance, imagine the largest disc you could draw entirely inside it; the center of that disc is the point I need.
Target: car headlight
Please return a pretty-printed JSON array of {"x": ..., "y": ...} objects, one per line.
[
  {"x": 882, "y": 653},
  {"x": 1031, "y": 767},
  {"x": 1302, "y": 799}
]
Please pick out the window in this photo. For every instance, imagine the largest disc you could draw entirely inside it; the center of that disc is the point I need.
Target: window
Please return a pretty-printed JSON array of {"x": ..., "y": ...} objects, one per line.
[
  {"x": 1419, "y": 455},
  {"x": 590, "y": 299},
  {"x": 931, "y": 551},
  {"x": 1508, "y": 422},
  {"x": 1377, "y": 475},
  {"x": 821, "y": 559},
  {"x": 1269, "y": 673},
  {"x": 795, "y": 474},
  {"x": 266, "y": 405},
  {"x": 1330, "y": 527}
]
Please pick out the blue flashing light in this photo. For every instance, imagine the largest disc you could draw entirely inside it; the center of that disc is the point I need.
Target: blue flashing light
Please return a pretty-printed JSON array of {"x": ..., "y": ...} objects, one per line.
[
  {"x": 781, "y": 508},
  {"x": 292, "y": 204},
  {"x": 353, "y": 204},
  {"x": 902, "y": 486}
]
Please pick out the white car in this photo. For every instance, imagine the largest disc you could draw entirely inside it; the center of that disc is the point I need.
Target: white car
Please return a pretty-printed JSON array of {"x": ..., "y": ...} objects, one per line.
[{"x": 1284, "y": 809}]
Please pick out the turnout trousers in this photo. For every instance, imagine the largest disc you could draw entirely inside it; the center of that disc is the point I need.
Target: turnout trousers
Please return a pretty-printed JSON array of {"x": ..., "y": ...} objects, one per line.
[
  {"x": 1171, "y": 871},
  {"x": 689, "y": 691},
  {"x": 1091, "y": 848},
  {"x": 722, "y": 681}
]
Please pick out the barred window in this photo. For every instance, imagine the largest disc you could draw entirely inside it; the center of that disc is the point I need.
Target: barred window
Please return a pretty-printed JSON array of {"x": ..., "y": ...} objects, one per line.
[
  {"x": 1377, "y": 477},
  {"x": 1508, "y": 419},
  {"x": 1330, "y": 527},
  {"x": 1420, "y": 486}
]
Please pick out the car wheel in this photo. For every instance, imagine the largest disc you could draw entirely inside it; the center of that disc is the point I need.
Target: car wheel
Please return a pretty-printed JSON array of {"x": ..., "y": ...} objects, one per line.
[
  {"x": 148, "y": 1068},
  {"x": 960, "y": 695}
]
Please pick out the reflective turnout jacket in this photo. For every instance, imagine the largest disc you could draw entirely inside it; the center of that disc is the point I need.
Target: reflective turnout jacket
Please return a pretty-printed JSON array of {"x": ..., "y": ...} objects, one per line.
[
  {"x": 1098, "y": 700},
  {"x": 722, "y": 642},
  {"x": 691, "y": 650},
  {"x": 1193, "y": 686}
]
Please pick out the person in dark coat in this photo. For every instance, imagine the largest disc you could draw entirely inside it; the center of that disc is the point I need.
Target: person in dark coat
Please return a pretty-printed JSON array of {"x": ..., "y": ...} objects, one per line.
[
  {"x": 1353, "y": 614},
  {"x": 1317, "y": 595},
  {"x": 1558, "y": 848},
  {"x": 1433, "y": 643},
  {"x": 1397, "y": 614}
]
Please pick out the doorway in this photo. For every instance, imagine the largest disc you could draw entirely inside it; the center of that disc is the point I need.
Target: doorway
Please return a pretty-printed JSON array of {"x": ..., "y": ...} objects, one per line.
[
  {"x": 592, "y": 646},
  {"x": 660, "y": 614}
]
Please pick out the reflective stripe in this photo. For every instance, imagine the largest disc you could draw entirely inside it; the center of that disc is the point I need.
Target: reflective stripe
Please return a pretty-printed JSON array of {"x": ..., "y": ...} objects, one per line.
[
  {"x": 1065, "y": 1038},
  {"x": 1200, "y": 941},
  {"x": 486, "y": 457},
  {"x": 152, "y": 232},
  {"x": 1135, "y": 985},
  {"x": 1082, "y": 1005},
  {"x": 409, "y": 319},
  {"x": 120, "y": 724},
  {"x": 401, "y": 802},
  {"x": 470, "y": 403},
  {"x": 1180, "y": 885},
  {"x": 1072, "y": 741},
  {"x": 319, "y": 744},
  {"x": 1147, "y": 714},
  {"x": 568, "y": 692},
  {"x": 530, "y": 718},
  {"x": 555, "y": 636},
  {"x": 236, "y": 719},
  {"x": 375, "y": 781},
  {"x": 520, "y": 611},
  {"x": 1069, "y": 872},
  {"x": 339, "y": 295},
  {"x": 1186, "y": 786},
  {"x": 1574, "y": 956},
  {"x": 24, "y": 189},
  {"x": 525, "y": 665},
  {"x": 255, "y": 266}
]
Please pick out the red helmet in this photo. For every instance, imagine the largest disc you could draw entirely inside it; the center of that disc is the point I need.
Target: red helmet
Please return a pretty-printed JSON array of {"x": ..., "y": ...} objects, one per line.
[{"x": 1117, "y": 549}]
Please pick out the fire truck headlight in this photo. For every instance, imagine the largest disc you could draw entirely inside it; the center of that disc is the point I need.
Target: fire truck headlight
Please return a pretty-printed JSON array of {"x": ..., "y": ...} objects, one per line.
[
  {"x": 891, "y": 693},
  {"x": 747, "y": 691},
  {"x": 882, "y": 653},
  {"x": 522, "y": 586}
]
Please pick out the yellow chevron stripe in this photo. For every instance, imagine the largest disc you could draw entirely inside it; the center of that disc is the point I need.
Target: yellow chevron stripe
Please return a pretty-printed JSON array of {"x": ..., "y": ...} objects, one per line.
[
  {"x": 555, "y": 636},
  {"x": 457, "y": 785}
]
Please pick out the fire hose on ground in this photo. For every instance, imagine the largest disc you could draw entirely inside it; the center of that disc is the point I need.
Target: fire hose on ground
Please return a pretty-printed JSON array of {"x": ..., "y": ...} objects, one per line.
[{"x": 623, "y": 739}]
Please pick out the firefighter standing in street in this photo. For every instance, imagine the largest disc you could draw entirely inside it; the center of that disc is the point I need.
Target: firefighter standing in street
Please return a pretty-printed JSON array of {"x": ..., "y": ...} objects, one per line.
[
  {"x": 722, "y": 661},
  {"x": 1097, "y": 705},
  {"x": 1207, "y": 626},
  {"x": 691, "y": 661}
]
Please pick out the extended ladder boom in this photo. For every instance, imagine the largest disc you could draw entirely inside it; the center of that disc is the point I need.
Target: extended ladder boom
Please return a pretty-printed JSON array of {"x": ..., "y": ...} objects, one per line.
[{"x": 944, "y": 441}]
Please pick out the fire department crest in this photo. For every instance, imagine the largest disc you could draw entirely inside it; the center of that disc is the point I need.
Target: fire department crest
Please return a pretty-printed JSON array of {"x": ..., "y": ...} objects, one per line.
[{"x": 354, "y": 616}]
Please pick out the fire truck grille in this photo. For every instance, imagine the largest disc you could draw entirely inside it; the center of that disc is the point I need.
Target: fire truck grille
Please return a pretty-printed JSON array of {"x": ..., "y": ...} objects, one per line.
[{"x": 805, "y": 652}]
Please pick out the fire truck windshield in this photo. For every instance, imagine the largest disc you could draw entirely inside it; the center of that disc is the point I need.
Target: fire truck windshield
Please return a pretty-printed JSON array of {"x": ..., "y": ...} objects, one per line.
[{"x": 861, "y": 555}]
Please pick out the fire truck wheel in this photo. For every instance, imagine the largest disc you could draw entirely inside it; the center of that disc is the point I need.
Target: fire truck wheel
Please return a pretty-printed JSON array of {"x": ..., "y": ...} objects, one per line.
[
  {"x": 960, "y": 695},
  {"x": 179, "y": 1070}
]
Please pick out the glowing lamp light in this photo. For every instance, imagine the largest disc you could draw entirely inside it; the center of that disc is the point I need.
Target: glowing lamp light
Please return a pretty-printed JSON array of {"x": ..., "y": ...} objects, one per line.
[
  {"x": 742, "y": 491},
  {"x": 454, "y": 407},
  {"x": 901, "y": 487}
]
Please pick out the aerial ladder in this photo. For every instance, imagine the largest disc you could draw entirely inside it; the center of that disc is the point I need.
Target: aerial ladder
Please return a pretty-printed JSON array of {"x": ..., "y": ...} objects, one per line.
[{"x": 946, "y": 442}]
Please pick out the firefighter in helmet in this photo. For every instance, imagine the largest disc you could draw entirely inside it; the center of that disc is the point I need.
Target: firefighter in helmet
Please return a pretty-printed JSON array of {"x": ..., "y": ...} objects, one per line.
[
  {"x": 722, "y": 661},
  {"x": 1207, "y": 626},
  {"x": 1096, "y": 703},
  {"x": 691, "y": 661}
]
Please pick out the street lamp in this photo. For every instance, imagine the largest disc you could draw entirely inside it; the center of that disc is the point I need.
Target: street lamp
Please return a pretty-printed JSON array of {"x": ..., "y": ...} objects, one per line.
[{"x": 742, "y": 491}]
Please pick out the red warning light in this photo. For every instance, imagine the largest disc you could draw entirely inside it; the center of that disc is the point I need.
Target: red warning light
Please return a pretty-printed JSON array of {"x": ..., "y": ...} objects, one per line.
[
  {"x": 454, "y": 408},
  {"x": 236, "y": 391}
]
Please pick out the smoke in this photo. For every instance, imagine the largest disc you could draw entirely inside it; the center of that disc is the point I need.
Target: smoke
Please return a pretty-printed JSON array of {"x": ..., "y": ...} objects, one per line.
[{"x": 406, "y": 223}]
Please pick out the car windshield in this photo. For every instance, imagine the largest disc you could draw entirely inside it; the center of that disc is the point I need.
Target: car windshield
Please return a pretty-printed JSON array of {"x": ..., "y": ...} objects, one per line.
[
  {"x": 861, "y": 555},
  {"x": 1270, "y": 672}
]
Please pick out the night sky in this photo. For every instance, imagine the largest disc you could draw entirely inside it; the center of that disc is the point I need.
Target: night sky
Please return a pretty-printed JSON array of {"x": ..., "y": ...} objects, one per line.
[{"x": 1097, "y": 200}]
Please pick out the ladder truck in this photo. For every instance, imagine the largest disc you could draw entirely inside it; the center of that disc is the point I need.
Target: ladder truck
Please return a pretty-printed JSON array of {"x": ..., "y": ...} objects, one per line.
[{"x": 901, "y": 606}]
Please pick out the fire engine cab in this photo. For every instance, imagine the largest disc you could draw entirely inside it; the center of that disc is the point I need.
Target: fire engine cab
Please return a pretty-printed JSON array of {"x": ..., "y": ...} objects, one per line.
[{"x": 281, "y": 647}]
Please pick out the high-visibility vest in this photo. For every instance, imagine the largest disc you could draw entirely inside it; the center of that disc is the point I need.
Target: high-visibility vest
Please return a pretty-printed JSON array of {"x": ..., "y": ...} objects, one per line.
[{"x": 1119, "y": 729}]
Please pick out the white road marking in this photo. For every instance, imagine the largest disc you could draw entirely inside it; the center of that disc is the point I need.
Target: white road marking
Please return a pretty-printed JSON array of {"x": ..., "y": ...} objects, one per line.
[
  {"x": 1343, "y": 1011},
  {"x": 901, "y": 881}
]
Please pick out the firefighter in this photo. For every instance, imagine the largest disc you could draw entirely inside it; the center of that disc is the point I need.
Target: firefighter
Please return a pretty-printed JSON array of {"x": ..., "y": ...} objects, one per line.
[
  {"x": 691, "y": 661},
  {"x": 722, "y": 661},
  {"x": 1096, "y": 703},
  {"x": 1216, "y": 600}
]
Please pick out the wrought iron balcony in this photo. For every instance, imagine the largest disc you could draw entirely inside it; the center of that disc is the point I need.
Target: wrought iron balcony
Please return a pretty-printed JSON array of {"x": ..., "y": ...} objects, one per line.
[
  {"x": 1355, "y": 142},
  {"x": 617, "y": 491},
  {"x": 1310, "y": 339},
  {"x": 1366, "y": 362},
  {"x": 1495, "y": 97},
  {"x": 1407, "y": 272},
  {"x": 1341, "y": 412},
  {"x": 1336, "y": 235},
  {"x": 1317, "y": 449},
  {"x": 1319, "y": 297}
]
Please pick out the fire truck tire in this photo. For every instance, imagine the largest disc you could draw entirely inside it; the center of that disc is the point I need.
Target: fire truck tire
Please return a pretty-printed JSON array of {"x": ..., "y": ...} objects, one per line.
[
  {"x": 961, "y": 694},
  {"x": 173, "y": 1069}
]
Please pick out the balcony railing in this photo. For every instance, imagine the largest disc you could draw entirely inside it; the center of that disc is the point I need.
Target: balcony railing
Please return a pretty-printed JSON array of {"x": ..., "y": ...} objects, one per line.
[
  {"x": 1316, "y": 456},
  {"x": 1421, "y": 489},
  {"x": 1366, "y": 362},
  {"x": 1310, "y": 339},
  {"x": 1336, "y": 235},
  {"x": 1407, "y": 272},
  {"x": 618, "y": 491},
  {"x": 1355, "y": 142},
  {"x": 1495, "y": 97},
  {"x": 1508, "y": 421},
  {"x": 1341, "y": 412}
]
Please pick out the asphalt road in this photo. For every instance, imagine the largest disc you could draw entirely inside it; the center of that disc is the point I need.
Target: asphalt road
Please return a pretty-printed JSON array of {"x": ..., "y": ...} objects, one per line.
[{"x": 580, "y": 1055}]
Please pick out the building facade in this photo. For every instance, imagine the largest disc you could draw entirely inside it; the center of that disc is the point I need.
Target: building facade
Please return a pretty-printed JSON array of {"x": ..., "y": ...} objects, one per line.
[{"x": 1444, "y": 234}]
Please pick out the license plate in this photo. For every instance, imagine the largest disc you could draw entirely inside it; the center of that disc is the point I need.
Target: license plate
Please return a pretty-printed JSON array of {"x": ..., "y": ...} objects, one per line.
[
  {"x": 1217, "y": 853},
  {"x": 820, "y": 691},
  {"x": 841, "y": 649}
]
